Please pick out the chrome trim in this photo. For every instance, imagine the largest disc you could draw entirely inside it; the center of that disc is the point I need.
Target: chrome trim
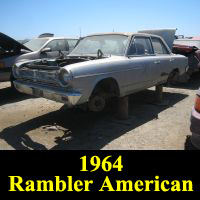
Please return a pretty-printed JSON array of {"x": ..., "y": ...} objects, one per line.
[
  {"x": 61, "y": 76},
  {"x": 69, "y": 98},
  {"x": 107, "y": 73},
  {"x": 36, "y": 75}
]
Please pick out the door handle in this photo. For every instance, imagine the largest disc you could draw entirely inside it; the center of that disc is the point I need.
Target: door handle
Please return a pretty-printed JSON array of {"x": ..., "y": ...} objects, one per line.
[
  {"x": 172, "y": 59},
  {"x": 157, "y": 62}
]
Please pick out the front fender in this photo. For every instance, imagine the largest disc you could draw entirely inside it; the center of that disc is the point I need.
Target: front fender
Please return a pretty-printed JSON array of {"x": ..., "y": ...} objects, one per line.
[{"x": 87, "y": 84}]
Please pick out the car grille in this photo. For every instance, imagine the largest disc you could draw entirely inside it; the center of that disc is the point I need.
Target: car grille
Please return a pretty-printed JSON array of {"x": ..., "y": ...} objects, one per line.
[{"x": 41, "y": 76}]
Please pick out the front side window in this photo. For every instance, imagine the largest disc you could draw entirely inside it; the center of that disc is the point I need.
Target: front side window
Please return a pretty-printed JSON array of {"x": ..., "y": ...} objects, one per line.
[
  {"x": 159, "y": 47},
  {"x": 57, "y": 45},
  {"x": 140, "y": 46}
]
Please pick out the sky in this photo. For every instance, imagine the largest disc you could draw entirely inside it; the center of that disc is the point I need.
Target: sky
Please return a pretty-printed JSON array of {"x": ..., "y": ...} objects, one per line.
[{"x": 22, "y": 19}]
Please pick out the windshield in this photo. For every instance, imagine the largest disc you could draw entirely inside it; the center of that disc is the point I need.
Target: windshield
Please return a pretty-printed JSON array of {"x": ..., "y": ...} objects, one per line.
[
  {"x": 108, "y": 44},
  {"x": 192, "y": 43},
  {"x": 35, "y": 44}
]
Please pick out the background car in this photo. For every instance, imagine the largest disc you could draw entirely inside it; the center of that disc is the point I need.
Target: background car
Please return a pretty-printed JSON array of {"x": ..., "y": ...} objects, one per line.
[
  {"x": 10, "y": 50},
  {"x": 189, "y": 47},
  {"x": 45, "y": 46},
  {"x": 48, "y": 46},
  {"x": 195, "y": 122}
]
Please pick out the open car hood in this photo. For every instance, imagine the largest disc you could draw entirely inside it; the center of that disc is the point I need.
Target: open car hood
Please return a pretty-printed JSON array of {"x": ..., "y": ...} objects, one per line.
[
  {"x": 167, "y": 34},
  {"x": 9, "y": 44}
]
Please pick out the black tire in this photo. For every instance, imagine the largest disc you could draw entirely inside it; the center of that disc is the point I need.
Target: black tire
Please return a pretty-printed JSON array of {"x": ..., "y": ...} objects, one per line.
[
  {"x": 97, "y": 102},
  {"x": 173, "y": 77},
  {"x": 104, "y": 91}
]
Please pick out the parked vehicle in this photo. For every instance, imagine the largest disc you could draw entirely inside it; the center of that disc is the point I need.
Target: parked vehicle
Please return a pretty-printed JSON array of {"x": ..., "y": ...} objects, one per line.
[
  {"x": 100, "y": 67},
  {"x": 12, "y": 51},
  {"x": 191, "y": 49},
  {"x": 195, "y": 122}
]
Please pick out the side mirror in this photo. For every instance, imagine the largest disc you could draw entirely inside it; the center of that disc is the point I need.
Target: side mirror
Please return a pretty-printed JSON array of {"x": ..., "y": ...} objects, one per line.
[{"x": 46, "y": 50}]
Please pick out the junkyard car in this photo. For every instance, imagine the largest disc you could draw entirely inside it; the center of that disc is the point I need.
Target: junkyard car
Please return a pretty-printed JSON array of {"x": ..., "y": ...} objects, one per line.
[
  {"x": 191, "y": 49},
  {"x": 195, "y": 123},
  {"x": 100, "y": 67},
  {"x": 12, "y": 51}
]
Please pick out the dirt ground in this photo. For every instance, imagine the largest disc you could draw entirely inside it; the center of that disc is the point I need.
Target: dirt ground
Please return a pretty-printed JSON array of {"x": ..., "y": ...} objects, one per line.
[{"x": 40, "y": 124}]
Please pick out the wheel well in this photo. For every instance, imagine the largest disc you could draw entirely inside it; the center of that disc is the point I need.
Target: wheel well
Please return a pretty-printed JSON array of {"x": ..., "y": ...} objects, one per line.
[
  {"x": 173, "y": 76},
  {"x": 108, "y": 85}
]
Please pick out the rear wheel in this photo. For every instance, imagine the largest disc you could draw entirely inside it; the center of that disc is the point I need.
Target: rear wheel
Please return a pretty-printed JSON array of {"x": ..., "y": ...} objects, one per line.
[
  {"x": 184, "y": 78},
  {"x": 173, "y": 77}
]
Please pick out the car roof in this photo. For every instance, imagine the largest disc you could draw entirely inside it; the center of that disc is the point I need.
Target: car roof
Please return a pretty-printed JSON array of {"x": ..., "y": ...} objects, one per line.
[
  {"x": 53, "y": 38},
  {"x": 130, "y": 34},
  {"x": 111, "y": 33},
  {"x": 123, "y": 33}
]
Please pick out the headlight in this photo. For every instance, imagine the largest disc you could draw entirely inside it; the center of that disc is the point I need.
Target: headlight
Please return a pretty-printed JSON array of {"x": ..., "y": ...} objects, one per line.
[
  {"x": 64, "y": 77},
  {"x": 15, "y": 71}
]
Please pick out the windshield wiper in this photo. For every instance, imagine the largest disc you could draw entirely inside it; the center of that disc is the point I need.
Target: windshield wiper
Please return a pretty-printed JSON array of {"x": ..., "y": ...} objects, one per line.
[
  {"x": 61, "y": 55},
  {"x": 99, "y": 54},
  {"x": 92, "y": 56}
]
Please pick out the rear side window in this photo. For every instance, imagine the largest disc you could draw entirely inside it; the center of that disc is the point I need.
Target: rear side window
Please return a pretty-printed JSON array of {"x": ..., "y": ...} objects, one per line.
[
  {"x": 140, "y": 46},
  {"x": 159, "y": 47}
]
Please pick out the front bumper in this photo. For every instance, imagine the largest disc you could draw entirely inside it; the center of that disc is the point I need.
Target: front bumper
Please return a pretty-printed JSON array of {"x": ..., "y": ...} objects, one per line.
[
  {"x": 70, "y": 98},
  {"x": 195, "y": 128}
]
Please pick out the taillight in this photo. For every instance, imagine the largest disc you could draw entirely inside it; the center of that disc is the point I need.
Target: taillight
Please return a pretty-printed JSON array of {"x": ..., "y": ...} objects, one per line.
[{"x": 197, "y": 104}]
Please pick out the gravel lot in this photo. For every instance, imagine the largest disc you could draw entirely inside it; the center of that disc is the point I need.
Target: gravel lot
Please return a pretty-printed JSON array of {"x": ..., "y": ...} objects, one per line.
[{"x": 36, "y": 123}]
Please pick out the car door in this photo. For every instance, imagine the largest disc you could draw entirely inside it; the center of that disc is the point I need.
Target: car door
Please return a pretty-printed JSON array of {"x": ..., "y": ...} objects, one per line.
[
  {"x": 141, "y": 58},
  {"x": 164, "y": 60},
  {"x": 56, "y": 46}
]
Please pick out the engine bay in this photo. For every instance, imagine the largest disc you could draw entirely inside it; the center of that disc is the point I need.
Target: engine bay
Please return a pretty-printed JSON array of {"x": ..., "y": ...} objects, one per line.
[{"x": 55, "y": 64}]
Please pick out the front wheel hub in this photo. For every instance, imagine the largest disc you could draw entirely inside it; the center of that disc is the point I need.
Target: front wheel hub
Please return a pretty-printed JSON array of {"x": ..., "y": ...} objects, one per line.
[{"x": 97, "y": 103}]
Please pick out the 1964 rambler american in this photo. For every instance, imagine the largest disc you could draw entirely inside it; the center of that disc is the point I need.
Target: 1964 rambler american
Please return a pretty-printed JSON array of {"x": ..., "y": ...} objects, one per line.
[{"x": 100, "y": 67}]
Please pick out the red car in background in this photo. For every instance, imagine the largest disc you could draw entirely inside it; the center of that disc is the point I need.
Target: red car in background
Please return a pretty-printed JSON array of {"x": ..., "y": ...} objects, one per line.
[{"x": 189, "y": 47}]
